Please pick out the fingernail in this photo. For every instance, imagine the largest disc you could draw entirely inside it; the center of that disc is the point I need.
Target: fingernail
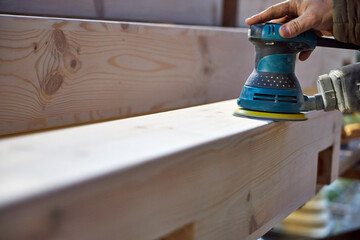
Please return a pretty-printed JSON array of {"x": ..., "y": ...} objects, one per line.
[{"x": 284, "y": 30}]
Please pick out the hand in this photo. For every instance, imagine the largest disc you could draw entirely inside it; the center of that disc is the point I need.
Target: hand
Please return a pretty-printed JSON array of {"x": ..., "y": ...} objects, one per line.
[{"x": 298, "y": 16}]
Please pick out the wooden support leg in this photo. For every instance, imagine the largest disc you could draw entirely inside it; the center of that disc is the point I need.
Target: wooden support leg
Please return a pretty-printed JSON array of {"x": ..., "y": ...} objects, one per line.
[
  {"x": 328, "y": 159},
  {"x": 327, "y": 165}
]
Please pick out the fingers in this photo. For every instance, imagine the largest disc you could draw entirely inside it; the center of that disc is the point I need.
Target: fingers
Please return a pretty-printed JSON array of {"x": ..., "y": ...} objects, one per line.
[
  {"x": 276, "y": 11},
  {"x": 298, "y": 25},
  {"x": 281, "y": 20},
  {"x": 304, "y": 55}
]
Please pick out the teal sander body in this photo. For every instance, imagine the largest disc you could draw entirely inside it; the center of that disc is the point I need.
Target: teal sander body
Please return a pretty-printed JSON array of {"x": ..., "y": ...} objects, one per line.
[
  {"x": 273, "y": 86},
  {"x": 272, "y": 91}
]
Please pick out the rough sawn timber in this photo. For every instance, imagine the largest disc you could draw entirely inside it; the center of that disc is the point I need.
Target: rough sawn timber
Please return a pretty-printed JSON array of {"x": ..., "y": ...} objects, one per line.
[
  {"x": 195, "y": 173},
  {"x": 58, "y": 72}
]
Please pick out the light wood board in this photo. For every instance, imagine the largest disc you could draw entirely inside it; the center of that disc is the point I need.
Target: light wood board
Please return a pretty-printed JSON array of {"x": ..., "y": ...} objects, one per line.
[
  {"x": 196, "y": 173},
  {"x": 57, "y": 72},
  {"x": 199, "y": 12}
]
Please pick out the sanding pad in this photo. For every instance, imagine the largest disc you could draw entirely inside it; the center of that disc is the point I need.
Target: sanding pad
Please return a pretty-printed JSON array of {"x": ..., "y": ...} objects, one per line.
[{"x": 241, "y": 112}]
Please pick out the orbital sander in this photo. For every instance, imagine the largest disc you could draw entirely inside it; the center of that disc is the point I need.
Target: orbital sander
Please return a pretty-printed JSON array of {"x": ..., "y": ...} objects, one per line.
[{"x": 272, "y": 91}]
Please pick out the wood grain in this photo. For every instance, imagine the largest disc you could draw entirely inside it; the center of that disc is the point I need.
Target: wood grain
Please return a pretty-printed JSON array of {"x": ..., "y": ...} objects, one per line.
[
  {"x": 197, "y": 172},
  {"x": 199, "y": 12},
  {"x": 58, "y": 72}
]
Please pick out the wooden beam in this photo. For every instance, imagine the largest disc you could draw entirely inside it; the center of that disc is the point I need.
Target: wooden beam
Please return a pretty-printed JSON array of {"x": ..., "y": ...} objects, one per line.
[
  {"x": 58, "y": 72},
  {"x": 230, "y": 13},
  {"x": 198, "y": 173},
  {"x": 199, "y": 12}
]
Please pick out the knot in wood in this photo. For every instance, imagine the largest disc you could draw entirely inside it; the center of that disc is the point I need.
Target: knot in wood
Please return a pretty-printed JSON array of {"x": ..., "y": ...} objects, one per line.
[
  {"x": 53, "y": 84},
  {"x": 59, "y": 40}
]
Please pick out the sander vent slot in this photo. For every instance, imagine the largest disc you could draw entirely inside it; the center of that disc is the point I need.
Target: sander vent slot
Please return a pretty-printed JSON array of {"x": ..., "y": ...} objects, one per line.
[
  {"x": 264, "y": 97},
  {"x": 287, "y": 99},
  {"x": 271, "y": 29},
  {"x": 274, "y": 98}
]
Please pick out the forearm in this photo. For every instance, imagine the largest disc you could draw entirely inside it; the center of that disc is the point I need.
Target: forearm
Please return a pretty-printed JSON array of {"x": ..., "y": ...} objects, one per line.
[{"x": 346, "y": 21}]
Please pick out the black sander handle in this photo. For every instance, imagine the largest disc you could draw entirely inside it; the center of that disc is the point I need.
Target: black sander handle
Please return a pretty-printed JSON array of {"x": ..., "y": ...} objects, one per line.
[{"x": 332, "y": 43}]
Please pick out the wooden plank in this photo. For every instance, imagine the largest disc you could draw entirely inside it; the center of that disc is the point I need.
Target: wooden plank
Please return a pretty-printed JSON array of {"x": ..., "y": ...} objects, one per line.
[
  {"x": 199, "y": 12},
  {"x": 198, "y": 173},
  {"x": 57, "y": 72}
]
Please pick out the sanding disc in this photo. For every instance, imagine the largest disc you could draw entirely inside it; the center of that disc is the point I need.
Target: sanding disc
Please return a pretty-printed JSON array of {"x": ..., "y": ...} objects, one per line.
[{"x": 241, "y": 112}]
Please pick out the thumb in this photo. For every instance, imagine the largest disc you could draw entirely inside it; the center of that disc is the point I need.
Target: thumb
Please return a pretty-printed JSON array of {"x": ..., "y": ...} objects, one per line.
[{"x": 297, "y": 26}]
